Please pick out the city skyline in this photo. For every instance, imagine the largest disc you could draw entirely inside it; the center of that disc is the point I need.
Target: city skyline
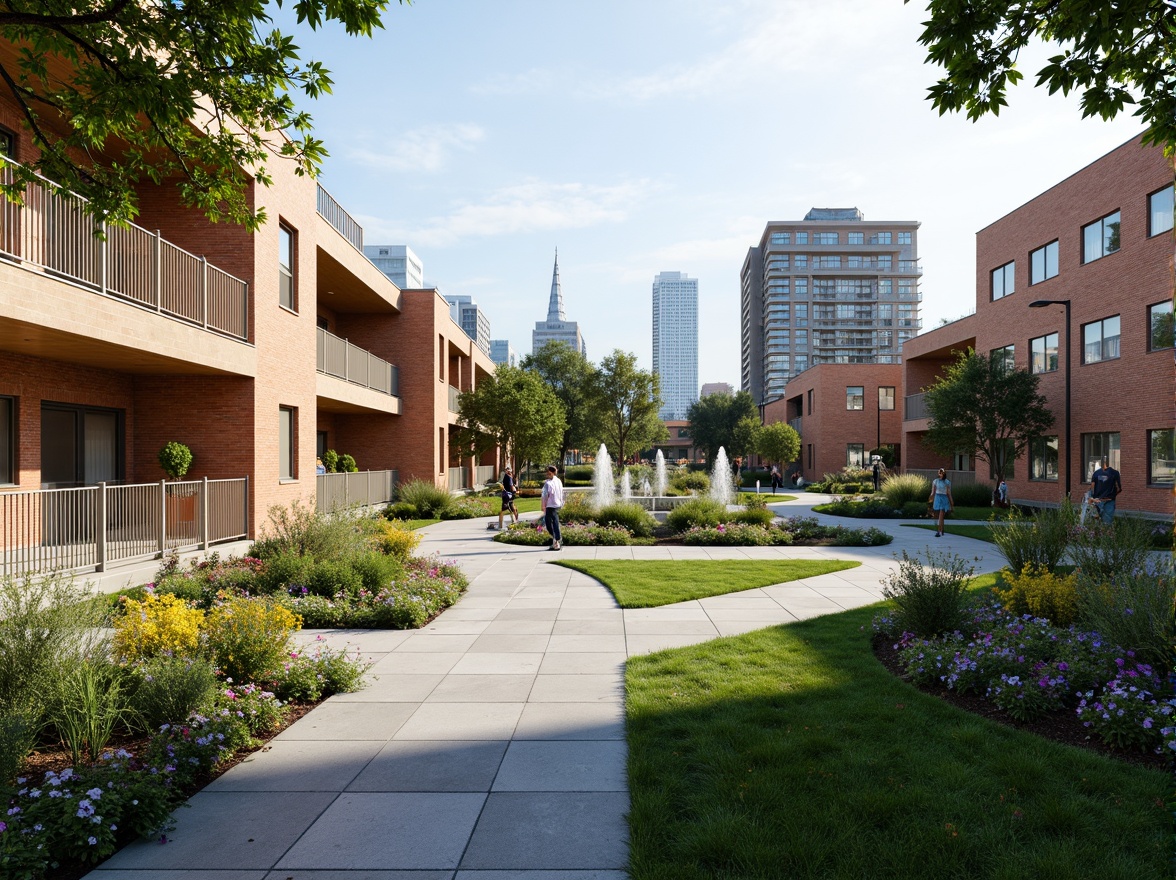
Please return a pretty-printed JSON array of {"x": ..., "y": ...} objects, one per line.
[{"x": 513, "y": 142}]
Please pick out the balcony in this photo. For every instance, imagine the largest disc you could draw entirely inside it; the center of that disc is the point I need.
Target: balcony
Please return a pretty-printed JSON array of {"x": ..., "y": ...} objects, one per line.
[
  {"x": 359, "y": 489},
  {"x": 334, "y": 213},
  {"x": 339, "y": 358},
  {"x": 51, "y": 233},
  {"x": 915, "y": 407},
  {"x": 453, "y": 396}
]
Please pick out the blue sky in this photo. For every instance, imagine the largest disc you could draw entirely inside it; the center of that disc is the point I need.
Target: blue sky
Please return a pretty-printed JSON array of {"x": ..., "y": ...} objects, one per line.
[{"x": 661, "y": 135}]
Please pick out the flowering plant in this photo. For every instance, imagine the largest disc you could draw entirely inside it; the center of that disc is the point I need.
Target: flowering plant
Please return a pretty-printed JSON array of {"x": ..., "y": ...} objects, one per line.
[{"x": 1126, "y": 712}]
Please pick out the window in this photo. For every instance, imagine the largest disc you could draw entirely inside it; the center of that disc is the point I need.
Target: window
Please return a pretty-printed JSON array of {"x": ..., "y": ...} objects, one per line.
[
  {"x": 855, "y": 455},
  {"x": 802, "y": 238},
  {"x": 1095, "y": 447},
  {"x": 1159, "y": 324},
  {"x": 827, "y": 262},
  {"x": 810, "y": 456},
  {"x": 1043, "y": 353},
  {"x": 801, "y": 261},
  {"x": 884, "y": 262},
  {"x": 1043, "y": 263},
  {"x": 80, "y": 445},
  {"x": 287, "y": 422},
  {"x": 855, "y": 237},
  {"x": 781, "y": 238},
  {"x": 1004, "y": 358},
  {"x": 880, "y": 238},
  {"x": 886, "y": 397},
  {"x": 286, "y": 267},
  {"x": 1004, "y": 455},
  {"x": 904, "y": 238},
  {"x": 810, "y": 401},
  {"x": 855, "y": 397},
  {"x": 321, "y": 443},
  {"x": 1160, "y": 209},
  {"x": 825, "y": 238},
  {"x": 1002, "y": 280},
  {"x": 7, "y": 440},
  {"x": 8, "y": 145},
  {"x": 1100, "y": 238},
  {"x": 1100, "y": 340},
  {"x": 1161, "y": 469},
  {"x": 1043, "y": 459}
]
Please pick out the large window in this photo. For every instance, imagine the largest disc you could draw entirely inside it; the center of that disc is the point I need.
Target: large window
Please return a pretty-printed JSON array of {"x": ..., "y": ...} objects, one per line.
[
  {"x": 886, "y": 397},
  {"x": 1043, "y": 458},
  {"x": 855, "y": 397},
  {"x": 1160, "y": 209},
  {"x": 7, "y": 440},
  {"x": 855, "y": 455},
  {"x": 904, "y": 238},
  {"x": 80, "y": 445},
  {"x": 1100, "y": 340},
  {"x": 880, "y": 238},
  {"x": 287, "y": 440},
  {"x": 1100, "y": 238},
  {"x": 1159, "y": 326},
  {"x": 1043, "y": 353},
  {"x": 1043, "y": 263},
  {"x": 802, "y": 238},
  {"x": 1161, "y": 469},
  {"x": 855, "y": 238},
  {"x": 781, "y": 238},
  {"x": 1094, "y": 448},
  {"x": 1005, "y": 358},
  {"x": 825, "y": 238},
  {"x": 286, "y": 267}
]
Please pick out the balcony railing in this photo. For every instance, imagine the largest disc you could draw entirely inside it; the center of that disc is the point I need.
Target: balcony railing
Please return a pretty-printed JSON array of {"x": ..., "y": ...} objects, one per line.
[
  {"x": 95, "y": 526},
  {"x": 51, "y": 231},
  {"x": 340, "y": 491},
  {"x": 454, "y": 393},
  {"x": 795, "y": 423},
  {"x": 338, "y": 357},
  {"x": 485, "y": 473},
  {"x": 459, "y": 478},
  {"x": 915, "y": 407},
  {"x": 344, "y": 223}
]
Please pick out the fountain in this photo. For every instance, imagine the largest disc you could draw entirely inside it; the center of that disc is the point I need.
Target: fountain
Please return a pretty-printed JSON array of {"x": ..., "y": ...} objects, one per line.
[
  {"x": 626, "y": 487},
  {"x": 721, "y": 488},
  {"x": 603, "y": 493},
  {"x": 659, "y": 475},
  {"x": 646, "y": 491}
]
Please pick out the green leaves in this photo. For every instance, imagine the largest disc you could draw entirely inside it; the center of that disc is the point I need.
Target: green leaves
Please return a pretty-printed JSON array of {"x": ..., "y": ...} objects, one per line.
[{"x": 513, "y": 409}]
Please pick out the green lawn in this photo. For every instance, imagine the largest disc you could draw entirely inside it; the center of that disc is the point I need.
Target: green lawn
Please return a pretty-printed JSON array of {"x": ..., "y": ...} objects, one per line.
[
  {"x": 522, "y": 505},
  {"x": 638, "y": 584},
  {"x": 790, "y": 752},
  {"x": 979, "y": 532},
  {"x": 770, "y": 497}
]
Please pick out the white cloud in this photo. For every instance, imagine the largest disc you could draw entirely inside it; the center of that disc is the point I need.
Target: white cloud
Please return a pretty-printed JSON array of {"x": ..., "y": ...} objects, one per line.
[{"x": 422, "y": 149}]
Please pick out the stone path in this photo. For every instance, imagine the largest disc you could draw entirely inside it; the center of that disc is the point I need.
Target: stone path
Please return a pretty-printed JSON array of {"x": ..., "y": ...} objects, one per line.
[{"x": 490, "y": 744}]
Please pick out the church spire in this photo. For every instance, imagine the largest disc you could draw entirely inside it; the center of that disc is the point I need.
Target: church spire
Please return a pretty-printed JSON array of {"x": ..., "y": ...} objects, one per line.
[{"x": 555, "y": 306}]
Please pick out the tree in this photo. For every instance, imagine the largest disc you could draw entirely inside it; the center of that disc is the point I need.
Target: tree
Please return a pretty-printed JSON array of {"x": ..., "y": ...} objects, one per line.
[
  {"x": 779, "y": 443},
  {"x": 744, "y": 436},
  {"x": 714, "y": 417},
  {"x": 984, "y": 408},
  {"x": 1115, "y": 54},
  {"x": 117, "y": 92},
  {"x": 625, "y": 406},
  {"x": 513, "y": 410},
  {"x": 570, "y": 375}
]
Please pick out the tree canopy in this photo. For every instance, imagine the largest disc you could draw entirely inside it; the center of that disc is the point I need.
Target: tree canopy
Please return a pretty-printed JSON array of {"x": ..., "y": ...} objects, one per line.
[
  {"x": 626, "y": 402},
  {"x": 1114, "y": 54},
  {"x": 514, "y": 410},
  {"x": 571, "y": 377},
  {"x": 984, "y": 408},
  {"x": 713, "y": 419},
  {"x": 778, "y": 443},
  {"x": 117, "y": 92}
]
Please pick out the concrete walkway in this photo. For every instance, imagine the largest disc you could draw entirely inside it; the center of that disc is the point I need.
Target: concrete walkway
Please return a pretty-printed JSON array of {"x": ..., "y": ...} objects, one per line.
[{"x": 490, "y": 744}]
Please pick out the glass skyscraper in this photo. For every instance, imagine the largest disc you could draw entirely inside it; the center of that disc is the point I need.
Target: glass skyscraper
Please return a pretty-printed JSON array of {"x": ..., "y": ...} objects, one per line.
[{"x": 675, "y": 342}]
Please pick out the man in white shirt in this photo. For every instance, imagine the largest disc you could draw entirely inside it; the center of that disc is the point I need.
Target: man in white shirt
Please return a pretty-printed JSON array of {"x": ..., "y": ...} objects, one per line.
[{"x": 550, "y": 502}]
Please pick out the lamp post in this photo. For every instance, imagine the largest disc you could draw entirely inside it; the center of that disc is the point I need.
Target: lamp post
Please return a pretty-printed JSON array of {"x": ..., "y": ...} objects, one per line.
[{"x": 1040, "y": 304}]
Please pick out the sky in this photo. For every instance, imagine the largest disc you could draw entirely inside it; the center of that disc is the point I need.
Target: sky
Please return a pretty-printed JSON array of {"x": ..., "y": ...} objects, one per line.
[{"x": 662, "y": 135}]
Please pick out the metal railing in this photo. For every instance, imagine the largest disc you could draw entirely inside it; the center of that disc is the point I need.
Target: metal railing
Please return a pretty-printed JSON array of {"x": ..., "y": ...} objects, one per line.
[
  {"x": 958, "y": 478},
  {"x": 485, "y": 473},
  {"x": 362, "y": 488},
  {"x": 51, "y": 231},
  {"x": 96, "y": 526},
  {"x": 338, "y": 357},
  {"x": 453, "y": 395},
  {"x": 795, "y": 424},
  {"x": 915, "y": 407},
  {"x": 459, "y": 478},
  {"x": 334, "y": 213}
]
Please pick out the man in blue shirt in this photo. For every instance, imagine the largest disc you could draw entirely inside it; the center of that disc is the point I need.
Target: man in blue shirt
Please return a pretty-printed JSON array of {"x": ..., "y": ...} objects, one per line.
[{"x": 1105, "y": 488}]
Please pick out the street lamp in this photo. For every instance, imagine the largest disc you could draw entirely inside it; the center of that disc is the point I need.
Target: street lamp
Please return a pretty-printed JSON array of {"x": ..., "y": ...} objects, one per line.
[{"x": 1040, "y": 304}]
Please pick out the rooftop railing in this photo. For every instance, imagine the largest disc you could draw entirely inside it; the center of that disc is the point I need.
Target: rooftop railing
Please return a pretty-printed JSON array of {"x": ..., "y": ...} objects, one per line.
[
  {"x": 334, "y": 213},
  {"x": 52, "y": 232}
]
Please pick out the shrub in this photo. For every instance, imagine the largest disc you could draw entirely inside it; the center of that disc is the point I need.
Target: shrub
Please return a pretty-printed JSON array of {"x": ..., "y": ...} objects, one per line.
[
  {"x": 301, "y": 530},
  {"x": 1040, "y": 541},
  {"x": 700, "y": 512},
  {"x": 871, "y": 509},
  {"x": 1132, "y": 610},
  {"x": 467, "y": 508},
  {"x": 257, "y": 709},
  {"x": 733, "y": 535},
  {"x": 347, "y": 464},
  {"x": 577, "y": 508},
  {"x": 754, "y": 516},
  {"x": 869, "y": 537},
  {"x": 1039, "y": 592},
  {"x": 1128, "y": 711},
  {"x": 375, "y": 570},
  {"x": 580, "y": 473},
  {"x": 691, "y": 481},
  {"x": 90, "y": 702},
  {"x": 900, "y": 489},
  {"x": 331, "y": 461},
  {"x": 175, "y": 459},
  {"x": 428, "y": 500},
  {"x": 157, "y": 624},
  {"x": 170, "y": 689},
  {"x": 1101, "y": 552},
  {"x": 751, "y": 501},
  {"x": 394, "y": 540},
  {"x": 748, "y": 478},
  {"x": 247, "y": 638},
  {"x": 284, "y": 570},
  {"x": 319, "y": 671},
  {"x": 971, "y": 495},
  {"x": 914, "y": 510},
  {"x": 333, "y": 577},
  {"x": 18, "y": 735},
  {"x": 630, "y": 516},
  {"x": 929, "y": 597},
  {"x": 400, "y": 510}
]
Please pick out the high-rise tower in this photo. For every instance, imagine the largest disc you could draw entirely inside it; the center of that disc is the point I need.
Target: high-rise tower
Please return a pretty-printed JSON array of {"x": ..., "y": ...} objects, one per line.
[
  {"x": 557, "y": 328},
  {"x": 675, "y": 342}
]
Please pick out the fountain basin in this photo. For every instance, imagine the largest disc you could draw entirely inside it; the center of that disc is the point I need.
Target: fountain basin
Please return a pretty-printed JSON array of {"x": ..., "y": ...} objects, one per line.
[{"x": 662, "y": 503}]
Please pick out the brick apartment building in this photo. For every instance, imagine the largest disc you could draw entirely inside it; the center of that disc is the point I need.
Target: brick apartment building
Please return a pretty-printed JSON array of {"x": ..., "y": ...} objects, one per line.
[
  {"x": 256, "y": 350},
  {"x": 1101, "y": 240},
  {"x": 679, "y": 448}
]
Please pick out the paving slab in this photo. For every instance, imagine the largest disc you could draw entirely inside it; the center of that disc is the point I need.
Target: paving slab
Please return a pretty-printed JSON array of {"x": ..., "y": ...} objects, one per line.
[
  {"x": 393, "y": 687},
  {"x": 471, "y": 721},
  {"x": 571, "y": 721},
  {"x": 432, "y": 765},
  {"x": 340, "y": 720},
  {"x": 299, "y": 765},
  {"x": 597, "y": 765}
]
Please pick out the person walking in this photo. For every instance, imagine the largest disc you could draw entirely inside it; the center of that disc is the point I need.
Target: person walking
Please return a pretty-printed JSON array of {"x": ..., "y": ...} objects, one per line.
[
  {"x": 1104, "y": 489},
  {"x": 509, "y": 490},
  {"x": 777, "y": 482},
  {"x": 550, "y": 501},
  {"x": 941, "y": 500}
]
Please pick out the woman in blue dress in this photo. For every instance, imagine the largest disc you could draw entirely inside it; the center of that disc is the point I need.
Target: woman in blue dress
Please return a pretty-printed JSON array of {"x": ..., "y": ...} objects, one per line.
[{"x": 941, "y": 500}]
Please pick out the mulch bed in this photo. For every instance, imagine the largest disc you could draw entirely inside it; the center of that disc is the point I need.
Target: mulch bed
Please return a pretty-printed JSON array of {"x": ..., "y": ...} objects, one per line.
[{"x": 1062, "y": 726}]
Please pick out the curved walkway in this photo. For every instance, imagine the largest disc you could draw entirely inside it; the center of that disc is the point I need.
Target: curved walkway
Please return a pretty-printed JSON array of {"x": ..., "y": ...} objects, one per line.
[{"x": 490, "y": 744}]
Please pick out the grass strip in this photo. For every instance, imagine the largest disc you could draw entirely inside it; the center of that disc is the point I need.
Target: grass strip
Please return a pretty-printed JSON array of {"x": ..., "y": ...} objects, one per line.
[
  {"x": 979, "y": 532},
  {"x": 791, "y": 752},
  {"x": 647, "y": 584}
]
